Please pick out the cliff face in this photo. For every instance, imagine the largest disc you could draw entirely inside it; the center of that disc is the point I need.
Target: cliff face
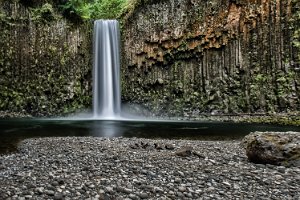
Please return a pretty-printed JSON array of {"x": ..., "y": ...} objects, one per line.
[
  {"x": 180, "y": 57},
  {"x": 45, "y": 60},
  {"x": 233, "y": 56}
]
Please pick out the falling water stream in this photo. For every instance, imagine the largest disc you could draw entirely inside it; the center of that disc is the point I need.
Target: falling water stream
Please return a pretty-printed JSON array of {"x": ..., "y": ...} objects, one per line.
[{"x": 106, "y": 73}]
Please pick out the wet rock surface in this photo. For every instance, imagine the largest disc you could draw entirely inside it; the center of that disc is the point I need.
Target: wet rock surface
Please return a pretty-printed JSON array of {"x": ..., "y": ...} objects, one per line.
[
  {"x": 273, "y": 148},
  {"x": 103, "y": 168}
]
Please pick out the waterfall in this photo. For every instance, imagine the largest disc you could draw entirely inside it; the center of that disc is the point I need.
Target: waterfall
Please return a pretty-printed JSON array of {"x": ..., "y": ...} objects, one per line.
[{"x": 106, "y": 72}]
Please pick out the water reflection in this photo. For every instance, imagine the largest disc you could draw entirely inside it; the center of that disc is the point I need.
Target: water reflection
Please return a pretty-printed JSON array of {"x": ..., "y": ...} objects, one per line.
[
  {"x": 106, "y": 129},
  {"x": 13, "y": 131}
]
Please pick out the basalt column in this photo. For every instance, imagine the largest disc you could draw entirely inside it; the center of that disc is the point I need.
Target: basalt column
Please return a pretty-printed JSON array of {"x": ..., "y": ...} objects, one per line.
[{"x": 185, "y": 57}]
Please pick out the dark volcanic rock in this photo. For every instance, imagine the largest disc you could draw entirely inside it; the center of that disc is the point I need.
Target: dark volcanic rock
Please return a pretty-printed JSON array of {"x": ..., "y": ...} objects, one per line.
[
  {"x": 184, "y": 151},
  {"x": 278, "y": 148}
]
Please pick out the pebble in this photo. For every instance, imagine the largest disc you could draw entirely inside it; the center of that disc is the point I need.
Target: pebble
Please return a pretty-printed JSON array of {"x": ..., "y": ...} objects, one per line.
[
  {"x": 177, "y": 180},
  {"x": 182, "y": 189},
  {"x": 109, "y": 168},
  {"x": 132, "y": 196},
  {"x": 143, "y": 195},
  {"x": 281, "y": 169},
  {"x": 109, "y": 189},
  {"x": 58, "y": 196},
  {"x": 49, "y": 192}
]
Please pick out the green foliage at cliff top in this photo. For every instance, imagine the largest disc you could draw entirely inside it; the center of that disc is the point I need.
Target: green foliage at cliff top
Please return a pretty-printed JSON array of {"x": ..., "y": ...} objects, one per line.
[
  {"x": 101, "y": 9},
  {"x": 88, "y": 9},
  {"x": 95, "y": 9}
]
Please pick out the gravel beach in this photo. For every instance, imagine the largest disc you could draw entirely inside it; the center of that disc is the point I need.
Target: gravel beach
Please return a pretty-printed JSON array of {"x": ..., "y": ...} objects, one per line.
[{"x": 134, "y": 168}]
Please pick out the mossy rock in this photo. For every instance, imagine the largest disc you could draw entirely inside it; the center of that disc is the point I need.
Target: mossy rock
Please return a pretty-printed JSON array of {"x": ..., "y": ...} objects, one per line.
[{"x": 277, "y": 148}]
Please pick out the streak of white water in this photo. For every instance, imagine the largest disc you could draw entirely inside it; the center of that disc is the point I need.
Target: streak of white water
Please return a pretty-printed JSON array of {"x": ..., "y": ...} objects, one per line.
[{"x": 106, "y": 73}]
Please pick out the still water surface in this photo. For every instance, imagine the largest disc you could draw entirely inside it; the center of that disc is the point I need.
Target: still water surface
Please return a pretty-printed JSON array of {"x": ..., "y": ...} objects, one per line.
[{"x": 14, "y": 131}]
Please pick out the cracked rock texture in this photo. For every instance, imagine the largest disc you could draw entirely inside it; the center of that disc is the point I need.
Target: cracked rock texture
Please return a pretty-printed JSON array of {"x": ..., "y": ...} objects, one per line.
[{"x": 184, "y": 57}]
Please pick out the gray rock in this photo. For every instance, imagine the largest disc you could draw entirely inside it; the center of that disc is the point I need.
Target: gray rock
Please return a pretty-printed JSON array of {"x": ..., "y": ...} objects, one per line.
[
  {"x": 158, "y": 190},
  {"x": 198, "y": 154},
  {"x": 133, "y": 196},
  {"x": 61, "y": 182},
  {"x": 180, "y": 173},
  {"x": 189, "y": 195},
  {"x": 177, "y": 180},
  {"x": 281, "y": 169},
  {"x": 273, "y": 148},
  {"x": 184, "y": 151},
  {"x": 109, "y": 189},
  {"x": 55, "y": 183},
  {"x": 159, "y": 146},
  {"x": 40, "y": 190},
  {"x": 49, "y": 192},
  {"x": 170, "y": 146},
  {"x": 127, "y": 190},
  {"x": 124, "y": 190},
  {"x": 143, "y": 195},
  {"x": 181, "y": 189},
  {"x": 180, "y": 194},
  {"x": 58, "y": 196}
]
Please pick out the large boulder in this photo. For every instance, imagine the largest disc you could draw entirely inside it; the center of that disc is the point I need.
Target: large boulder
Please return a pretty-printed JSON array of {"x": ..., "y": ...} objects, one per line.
[{"x": 277, "y": 148}]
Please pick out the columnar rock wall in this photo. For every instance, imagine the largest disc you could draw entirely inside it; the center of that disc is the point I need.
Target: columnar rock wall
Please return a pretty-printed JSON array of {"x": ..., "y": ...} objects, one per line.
[
  {"x": 183, "y": 57},
  {"x": 45, "y": 60}
]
